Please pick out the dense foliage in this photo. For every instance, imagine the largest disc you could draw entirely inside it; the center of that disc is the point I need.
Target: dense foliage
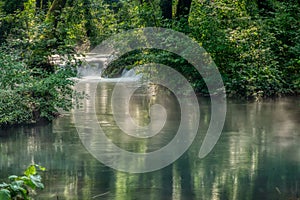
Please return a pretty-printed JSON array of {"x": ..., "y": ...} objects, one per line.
[
  {"x": 256, "y": 47},
  {"x": 30, "y": 94},
  {"x": 33, "y": 82},
  {"x": 255, "y": 44},
  {"x": 20, "y": 187}
]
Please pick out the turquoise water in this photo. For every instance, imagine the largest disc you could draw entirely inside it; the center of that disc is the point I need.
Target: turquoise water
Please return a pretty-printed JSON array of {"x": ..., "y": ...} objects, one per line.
[{"x": 257, "y": 156}]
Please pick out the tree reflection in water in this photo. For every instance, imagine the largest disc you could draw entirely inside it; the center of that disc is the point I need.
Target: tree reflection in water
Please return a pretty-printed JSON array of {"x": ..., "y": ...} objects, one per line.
[{"x": 257, "y": 156}]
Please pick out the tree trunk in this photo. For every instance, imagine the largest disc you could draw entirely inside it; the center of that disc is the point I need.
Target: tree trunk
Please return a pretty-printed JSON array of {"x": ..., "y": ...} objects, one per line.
[
  {"x": 183, "y": 10},
  {"x": 166, "y": 8},
  {"x": 88, "y": 25},
  {"x": 57, "y": 5},
  {"x": 41, "y": 4},
  {"x": 55, "y": 10}
]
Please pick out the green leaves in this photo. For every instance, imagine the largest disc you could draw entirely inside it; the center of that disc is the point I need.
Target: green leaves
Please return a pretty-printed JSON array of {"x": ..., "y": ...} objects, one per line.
[
  {"x": 19, "y": 186},
  {"x": 29, "y": 94},
  {"x": 31, "y": 177},
  {"x": 255, "y": 54},
  {"x": 255, "y": 46},
  {"x": 31, "y": 170},
  {"x": 4, "y": 194}
]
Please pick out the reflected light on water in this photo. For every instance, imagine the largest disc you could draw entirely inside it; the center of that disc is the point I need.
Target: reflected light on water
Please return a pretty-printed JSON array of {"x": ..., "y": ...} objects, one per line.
[{"x": 258, "y": 152}]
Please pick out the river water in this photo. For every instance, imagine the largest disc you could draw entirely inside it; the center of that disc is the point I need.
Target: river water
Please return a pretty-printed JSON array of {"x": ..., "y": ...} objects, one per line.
[{"x": 256, "y": 157}]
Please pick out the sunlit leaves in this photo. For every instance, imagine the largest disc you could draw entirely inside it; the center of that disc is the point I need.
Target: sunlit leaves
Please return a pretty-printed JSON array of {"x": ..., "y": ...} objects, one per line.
[{"x": 19, "y": 186}]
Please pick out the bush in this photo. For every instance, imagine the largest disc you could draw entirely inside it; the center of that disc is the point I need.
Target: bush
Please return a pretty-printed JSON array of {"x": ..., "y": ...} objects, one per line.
[
  {"x": 31, "y": 94},
  {"x": 13, "y": 108},
  {"x": 33, "y": 85}
]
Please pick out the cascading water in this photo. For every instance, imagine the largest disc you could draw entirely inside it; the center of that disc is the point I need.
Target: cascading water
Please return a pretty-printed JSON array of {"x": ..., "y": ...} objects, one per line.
[{"x": 94, "y": 64}]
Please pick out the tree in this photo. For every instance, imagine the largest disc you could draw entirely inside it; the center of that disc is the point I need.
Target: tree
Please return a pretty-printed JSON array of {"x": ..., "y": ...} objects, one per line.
[
  {"x": 41, "y": 4},
  {"x": 183, "y": 10},
  {"x": 55, "y": 10},
  {"x": 166, "y": 8},
  {"x": 10, "y": 6}
]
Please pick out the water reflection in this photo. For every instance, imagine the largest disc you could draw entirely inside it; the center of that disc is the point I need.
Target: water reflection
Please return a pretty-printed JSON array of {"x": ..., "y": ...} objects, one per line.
[{"x": 257, "y": 156}]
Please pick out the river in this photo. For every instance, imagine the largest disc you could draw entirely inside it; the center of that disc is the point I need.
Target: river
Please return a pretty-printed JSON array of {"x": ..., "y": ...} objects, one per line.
[{"x": 256, "y": 157}]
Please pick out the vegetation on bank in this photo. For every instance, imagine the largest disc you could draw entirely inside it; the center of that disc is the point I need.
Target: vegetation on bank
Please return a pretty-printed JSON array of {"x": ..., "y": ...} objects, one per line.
[
  {"x": 29, "y": 95},
  {"x": 255, "y": 44},
  {"x": 34, "y": 85}
]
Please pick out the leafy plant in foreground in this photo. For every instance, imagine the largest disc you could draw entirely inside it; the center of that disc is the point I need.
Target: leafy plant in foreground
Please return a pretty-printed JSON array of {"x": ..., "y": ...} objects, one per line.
[{"x": 20, "y": 187}]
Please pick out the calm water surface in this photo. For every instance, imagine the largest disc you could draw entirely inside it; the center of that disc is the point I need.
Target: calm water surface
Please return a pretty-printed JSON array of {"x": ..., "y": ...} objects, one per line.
[{"x": 257, "y": 156}]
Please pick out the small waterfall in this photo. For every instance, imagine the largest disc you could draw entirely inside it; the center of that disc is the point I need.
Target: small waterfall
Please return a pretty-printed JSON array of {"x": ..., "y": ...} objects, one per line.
[
  {"x": 92, "y": 65},
  {"x": 130, "y": 74}
]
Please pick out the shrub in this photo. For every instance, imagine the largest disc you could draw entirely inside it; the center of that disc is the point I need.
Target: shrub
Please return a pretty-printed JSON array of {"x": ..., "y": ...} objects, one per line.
[{"x": 30, "y": 94}]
